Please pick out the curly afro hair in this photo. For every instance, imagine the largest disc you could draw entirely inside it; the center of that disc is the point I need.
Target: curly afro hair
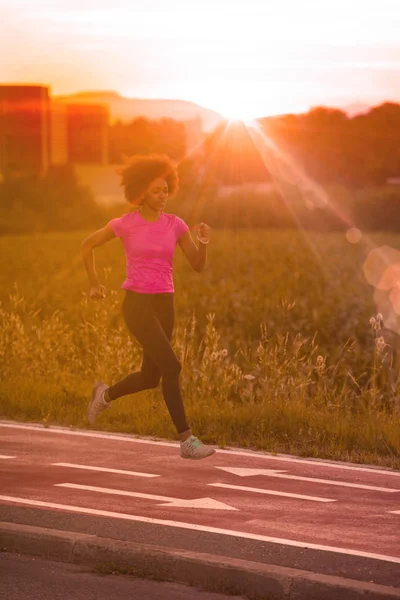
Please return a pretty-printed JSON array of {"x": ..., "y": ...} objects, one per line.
[{"x": 140, "y": 171}]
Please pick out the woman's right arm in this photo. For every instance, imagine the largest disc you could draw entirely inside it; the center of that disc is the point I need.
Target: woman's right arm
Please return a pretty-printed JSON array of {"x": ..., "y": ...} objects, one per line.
[{"x": 99, "y": 237}]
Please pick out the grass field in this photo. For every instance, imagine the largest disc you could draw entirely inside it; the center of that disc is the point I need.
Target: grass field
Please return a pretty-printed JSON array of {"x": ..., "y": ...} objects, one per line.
[{"x": 274, "y": 338}]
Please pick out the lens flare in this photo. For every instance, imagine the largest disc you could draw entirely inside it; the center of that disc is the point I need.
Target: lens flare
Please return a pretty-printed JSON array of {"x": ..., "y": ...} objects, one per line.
[
  {"x": 353, "y": 235},
  {"x": 382, "y": 270},
  {"x": 382, "y": 265}
]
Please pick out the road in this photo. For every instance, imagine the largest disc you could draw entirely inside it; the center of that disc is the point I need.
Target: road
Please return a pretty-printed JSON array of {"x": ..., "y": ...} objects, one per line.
[
  {"x": 26, "y": 578},
  {"x": 320, "y": 516}
]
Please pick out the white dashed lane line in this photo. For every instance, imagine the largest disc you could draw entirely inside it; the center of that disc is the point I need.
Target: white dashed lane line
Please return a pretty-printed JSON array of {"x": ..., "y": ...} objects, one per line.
[{"x": 104, "y": 470}]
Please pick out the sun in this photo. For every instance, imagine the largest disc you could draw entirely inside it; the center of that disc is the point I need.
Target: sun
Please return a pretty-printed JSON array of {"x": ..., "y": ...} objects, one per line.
[
  {"x": 238, "y": 104},
  {"x": 234, "y": 108},
  {"x": 244, "y": 103},
  {"x": 231, "y": 106},
  {"x": 237, "y": 113}
]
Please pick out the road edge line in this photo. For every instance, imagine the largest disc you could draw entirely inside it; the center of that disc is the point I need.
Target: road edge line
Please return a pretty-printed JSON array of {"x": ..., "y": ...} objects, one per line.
[{"x": 206, "y": 571}]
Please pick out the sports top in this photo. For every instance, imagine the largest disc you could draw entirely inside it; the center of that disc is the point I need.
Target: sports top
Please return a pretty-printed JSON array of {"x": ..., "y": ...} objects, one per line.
[{"x": 149, "y": 249}]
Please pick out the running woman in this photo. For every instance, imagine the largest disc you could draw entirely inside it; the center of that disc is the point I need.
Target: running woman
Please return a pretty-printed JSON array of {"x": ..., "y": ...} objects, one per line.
[{"x": 149, "y": 237}]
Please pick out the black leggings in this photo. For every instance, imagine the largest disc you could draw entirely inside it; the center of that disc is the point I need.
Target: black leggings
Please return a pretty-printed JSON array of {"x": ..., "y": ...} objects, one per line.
[{"x": 150, "y": 319}]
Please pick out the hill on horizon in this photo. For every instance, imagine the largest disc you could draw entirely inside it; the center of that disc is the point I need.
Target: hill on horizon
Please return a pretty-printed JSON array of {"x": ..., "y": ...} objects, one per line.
[{"x": 126, "y": 109}]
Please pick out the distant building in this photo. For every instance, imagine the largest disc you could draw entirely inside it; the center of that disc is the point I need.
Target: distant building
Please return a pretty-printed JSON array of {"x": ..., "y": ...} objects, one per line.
[
  {"x": 24, "y": 129},
  {"x": 87, "y": 133},
  {"x": 58, "y": 134},
  {"x": 79, "y": 134}
]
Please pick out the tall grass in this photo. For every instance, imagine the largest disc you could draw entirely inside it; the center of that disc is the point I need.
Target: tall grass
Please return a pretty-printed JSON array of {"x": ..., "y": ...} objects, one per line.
[{"x": 274, "y": 337}]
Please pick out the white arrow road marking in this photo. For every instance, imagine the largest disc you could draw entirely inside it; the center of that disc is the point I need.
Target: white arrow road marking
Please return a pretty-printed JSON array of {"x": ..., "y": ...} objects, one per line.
[
  {"x": 104, "y": 470},
  {"x": 271, "y": 473},
  {"x": 5, "y": 456},
  {"x": 167, "y": 500},
  {"x": 270, "y": 492}
]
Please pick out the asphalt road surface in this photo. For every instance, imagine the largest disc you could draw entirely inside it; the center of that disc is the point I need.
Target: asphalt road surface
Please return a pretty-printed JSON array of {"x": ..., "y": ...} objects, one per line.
[
  {"x": 26, "y": 578},
  {"x": 314, "y": 515}
]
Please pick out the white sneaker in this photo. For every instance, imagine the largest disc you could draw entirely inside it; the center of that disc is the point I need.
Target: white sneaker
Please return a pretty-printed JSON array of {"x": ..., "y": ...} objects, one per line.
[
  {"x": 193, "y": 448},
  {"x": 97, "y": 403}
]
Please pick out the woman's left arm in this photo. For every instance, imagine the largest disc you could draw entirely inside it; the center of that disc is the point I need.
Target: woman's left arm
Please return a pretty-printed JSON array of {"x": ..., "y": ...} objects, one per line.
[{"x": 197, "y": 257}]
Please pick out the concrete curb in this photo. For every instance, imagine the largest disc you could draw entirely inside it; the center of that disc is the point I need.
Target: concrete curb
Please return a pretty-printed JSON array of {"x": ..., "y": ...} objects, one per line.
[{"x": 210, "y": 572}]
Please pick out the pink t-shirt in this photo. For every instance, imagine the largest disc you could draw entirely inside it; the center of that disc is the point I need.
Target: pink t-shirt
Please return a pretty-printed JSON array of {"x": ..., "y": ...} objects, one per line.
[{"x": 149, "y": 249}]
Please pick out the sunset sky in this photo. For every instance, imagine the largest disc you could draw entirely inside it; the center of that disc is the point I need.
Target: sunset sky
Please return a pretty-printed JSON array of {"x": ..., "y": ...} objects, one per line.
[{"x": 244, "y": 58}]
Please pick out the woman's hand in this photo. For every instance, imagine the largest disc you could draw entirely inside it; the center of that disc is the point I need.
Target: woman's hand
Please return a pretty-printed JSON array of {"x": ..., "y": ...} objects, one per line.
[
  {"x": 98, "y": 292},
  {"x": 203, "y": 232}
]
